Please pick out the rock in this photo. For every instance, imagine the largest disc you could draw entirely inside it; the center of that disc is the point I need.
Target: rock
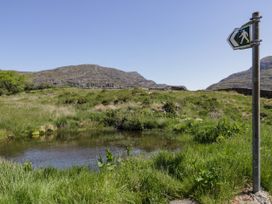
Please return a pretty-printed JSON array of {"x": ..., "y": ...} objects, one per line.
[
  {"x": 184, "y": 201},
  {"x": 248, "y": 197},
  {"x": 35, "y": 134},
  {"x": 263, "y": 197},
  {"x": 47, "y": 129}
]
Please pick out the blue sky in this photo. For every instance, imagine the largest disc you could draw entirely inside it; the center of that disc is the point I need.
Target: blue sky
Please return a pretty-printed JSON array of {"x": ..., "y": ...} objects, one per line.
[{"x": 179, "y": 42}]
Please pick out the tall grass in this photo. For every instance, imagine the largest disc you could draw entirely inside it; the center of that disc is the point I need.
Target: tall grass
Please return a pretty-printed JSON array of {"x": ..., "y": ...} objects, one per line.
[
  {"x": 23, "y": 114},
  {"x": 135, "y": 109},
  {"x": 213, "y": 166},
  {"x": 209, "y": 173}
]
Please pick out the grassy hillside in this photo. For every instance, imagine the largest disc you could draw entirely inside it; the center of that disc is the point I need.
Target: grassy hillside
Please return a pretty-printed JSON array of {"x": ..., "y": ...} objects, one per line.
[
  {"x": 213, "y": 166},
  {"x": 243, "y": 80},
  {"x": 135, "y": 109}
]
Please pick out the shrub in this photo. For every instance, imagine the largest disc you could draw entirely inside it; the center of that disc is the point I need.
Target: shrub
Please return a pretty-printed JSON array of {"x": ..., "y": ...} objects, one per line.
[
  {"x": 150, "y": 123},
  {"x": 111, "y": 161},
  {"x": 31, "y": 86},
  {"x": 203, "y": 104},
  {"x": 268, "y": 106},
  {"x": 72, "y": 98},
  {"x": 132, "y": 121},
  {"x": 169, "y": 107},
  {"x": 11, "y": 82},
  {"x": 210, "y": 132},
  {"x": 206, "y": 180},
  {"x": 146, "y": 102},
  {"x": 130, "y": 124},
  {"x": 187, "y": 126},
  {"x": 110, "y": 118},
  {"x": 105, "y": 102}
]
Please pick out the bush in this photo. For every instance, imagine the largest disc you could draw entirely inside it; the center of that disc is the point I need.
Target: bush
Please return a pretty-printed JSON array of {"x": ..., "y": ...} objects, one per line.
[
  {"x": 206, "y": 180},
  {"x": 132, "y": 121},
  {"x": 146, "y": 102},
  {"x": 130, "y": 124},
  {"x": 150, "y": 123},
  {"x": 187, "y": 126},
  {"x": 268, "y": 106},
  {"x": 72, "y": 98},
  {"x": 110, "y": 163},
  {"x": 210, "y": 132},
  {"x": 31, "y": 86},
  {"x": 203, "y": 104},
  {"x": 169, "y": 107},
  {"x": 110, "y": 118},
  {"x": 11, "y": 82}
]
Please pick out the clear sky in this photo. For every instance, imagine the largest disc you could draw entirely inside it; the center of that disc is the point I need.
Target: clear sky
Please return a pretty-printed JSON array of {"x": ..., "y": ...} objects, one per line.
[{"x": 179, "y": 42}]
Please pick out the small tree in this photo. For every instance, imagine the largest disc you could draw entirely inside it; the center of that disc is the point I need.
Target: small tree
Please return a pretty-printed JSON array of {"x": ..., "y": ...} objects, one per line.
[{"x": 11, "y": 82}]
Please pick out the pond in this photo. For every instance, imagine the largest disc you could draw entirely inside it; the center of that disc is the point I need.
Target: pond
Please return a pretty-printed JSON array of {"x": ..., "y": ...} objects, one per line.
[{"x": 69, "y": 149}]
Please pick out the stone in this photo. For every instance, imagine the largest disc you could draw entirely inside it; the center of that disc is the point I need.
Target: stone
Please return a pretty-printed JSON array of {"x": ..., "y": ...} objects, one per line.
[{"x": 184, "y": 201}]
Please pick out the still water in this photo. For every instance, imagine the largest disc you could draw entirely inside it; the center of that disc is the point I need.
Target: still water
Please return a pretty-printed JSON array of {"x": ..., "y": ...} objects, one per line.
[{"x": 69, "y": 149}]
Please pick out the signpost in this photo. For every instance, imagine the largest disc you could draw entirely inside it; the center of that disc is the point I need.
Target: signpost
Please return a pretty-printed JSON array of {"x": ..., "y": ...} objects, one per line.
[
  {"x": 241, "y": 38},
  {"x": 247, "y": 36}
]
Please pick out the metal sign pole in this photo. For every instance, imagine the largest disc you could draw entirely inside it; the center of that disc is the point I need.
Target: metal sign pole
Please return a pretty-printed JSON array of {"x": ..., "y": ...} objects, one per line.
[
  {"x": 241, "y": 38},
  {"x": 255, "y": 103}
]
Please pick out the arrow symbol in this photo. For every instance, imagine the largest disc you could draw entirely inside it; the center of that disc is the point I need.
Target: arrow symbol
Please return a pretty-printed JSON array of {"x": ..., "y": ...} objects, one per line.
[
  {"x": 232, "y": 36},
  {"x": 240, "y": 38}
]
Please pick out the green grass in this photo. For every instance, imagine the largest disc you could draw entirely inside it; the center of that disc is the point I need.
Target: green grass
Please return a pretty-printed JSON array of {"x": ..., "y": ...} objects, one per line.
[
  {"x": 213, "y": 166},
  {"x": 135, "y": 109},
  {"x": 209, "y": 173}
]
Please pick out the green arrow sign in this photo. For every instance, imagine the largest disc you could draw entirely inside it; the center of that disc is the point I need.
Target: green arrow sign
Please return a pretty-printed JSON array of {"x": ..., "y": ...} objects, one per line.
[{"x": 241, "y": 38}]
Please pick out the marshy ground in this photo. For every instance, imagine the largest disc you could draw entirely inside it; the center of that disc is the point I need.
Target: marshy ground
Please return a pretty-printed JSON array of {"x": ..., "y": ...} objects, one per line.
[{"x": 213, "y": 165}]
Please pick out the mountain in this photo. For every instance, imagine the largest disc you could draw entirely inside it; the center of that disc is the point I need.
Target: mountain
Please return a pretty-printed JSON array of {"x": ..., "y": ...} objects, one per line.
[
  {"x": 92, "y": 76},
  {"x": 241, "y": 81}
]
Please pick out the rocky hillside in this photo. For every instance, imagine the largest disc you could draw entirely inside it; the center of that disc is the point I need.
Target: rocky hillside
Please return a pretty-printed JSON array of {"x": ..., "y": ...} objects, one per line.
[
  {"x": 242, "y": 80},
  {"x": 91, "y": 76}
]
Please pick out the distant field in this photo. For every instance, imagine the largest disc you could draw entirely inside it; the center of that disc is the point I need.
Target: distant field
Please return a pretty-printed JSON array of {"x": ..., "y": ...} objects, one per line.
[{"x": 213, "y": 166}]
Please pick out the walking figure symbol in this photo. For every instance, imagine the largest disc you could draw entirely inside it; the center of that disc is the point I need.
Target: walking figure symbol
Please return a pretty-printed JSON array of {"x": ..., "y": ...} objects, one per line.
[{"x": 244, "y": 36}]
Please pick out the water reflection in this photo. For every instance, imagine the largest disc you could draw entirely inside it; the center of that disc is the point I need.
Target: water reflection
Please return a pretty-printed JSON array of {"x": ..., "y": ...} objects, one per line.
[{"x": 83, "y": 148}]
